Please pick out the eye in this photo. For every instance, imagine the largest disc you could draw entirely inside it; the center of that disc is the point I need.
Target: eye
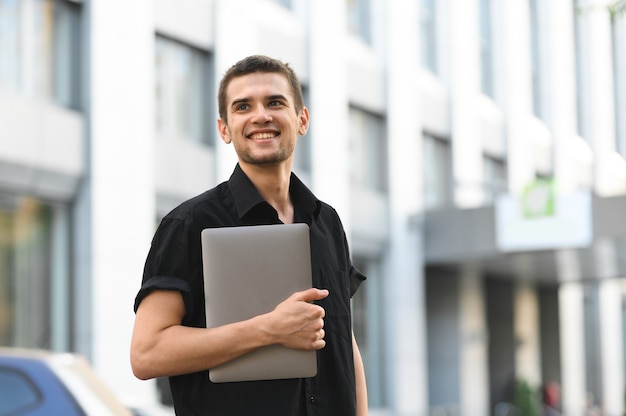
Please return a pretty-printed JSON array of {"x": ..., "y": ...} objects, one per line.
[
  {"x": 242, "y": 107},
  {"x": 275, "y": 103}
]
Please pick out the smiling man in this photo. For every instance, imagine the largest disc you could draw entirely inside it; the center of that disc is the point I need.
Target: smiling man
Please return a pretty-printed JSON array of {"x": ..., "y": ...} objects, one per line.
[{"x": 262, "y": 114}]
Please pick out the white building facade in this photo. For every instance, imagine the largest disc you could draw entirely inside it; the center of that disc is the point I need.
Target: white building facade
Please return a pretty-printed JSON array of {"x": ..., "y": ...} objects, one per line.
[{"x": 474, "y": 150}]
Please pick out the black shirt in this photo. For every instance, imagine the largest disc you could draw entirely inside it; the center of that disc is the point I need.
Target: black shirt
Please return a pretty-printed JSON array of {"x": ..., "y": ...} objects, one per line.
[{"x": 175, "y": 263}]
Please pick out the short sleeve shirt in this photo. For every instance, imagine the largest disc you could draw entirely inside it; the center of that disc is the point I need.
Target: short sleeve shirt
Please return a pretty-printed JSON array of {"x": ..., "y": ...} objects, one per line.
[{"x": 174, "y": 262}]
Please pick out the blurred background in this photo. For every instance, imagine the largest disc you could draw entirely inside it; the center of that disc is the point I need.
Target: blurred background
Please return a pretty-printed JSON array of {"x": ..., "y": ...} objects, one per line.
[{"x": 473, "y": 148}]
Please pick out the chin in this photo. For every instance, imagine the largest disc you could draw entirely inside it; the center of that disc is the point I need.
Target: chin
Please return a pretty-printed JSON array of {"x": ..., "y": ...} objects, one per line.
[{"x": 269, "y": 160}]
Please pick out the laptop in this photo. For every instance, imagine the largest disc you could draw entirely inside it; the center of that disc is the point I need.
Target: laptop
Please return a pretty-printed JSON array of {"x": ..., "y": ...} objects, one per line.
[{"x": 248, "y": 271}]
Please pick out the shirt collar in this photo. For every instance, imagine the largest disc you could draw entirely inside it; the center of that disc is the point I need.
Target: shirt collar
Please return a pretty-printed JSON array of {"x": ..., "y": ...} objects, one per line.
[{"x": 247, "y": 197}]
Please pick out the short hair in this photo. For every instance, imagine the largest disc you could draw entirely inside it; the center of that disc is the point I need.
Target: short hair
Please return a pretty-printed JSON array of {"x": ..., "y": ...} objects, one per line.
[{"x": 259, "y": 63}]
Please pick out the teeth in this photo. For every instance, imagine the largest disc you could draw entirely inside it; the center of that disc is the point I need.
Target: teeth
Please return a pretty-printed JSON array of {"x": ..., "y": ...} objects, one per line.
[{"x": 262, "y": 136}]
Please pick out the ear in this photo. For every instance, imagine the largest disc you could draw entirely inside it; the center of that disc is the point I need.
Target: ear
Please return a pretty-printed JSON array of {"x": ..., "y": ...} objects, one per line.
[
  {"x": 222, "y": 128},
  {"x": 303, "y": 121}
]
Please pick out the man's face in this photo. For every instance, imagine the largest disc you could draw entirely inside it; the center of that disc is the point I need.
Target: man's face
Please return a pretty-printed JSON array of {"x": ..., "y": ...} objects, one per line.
[{"x": 262, "y": 121}]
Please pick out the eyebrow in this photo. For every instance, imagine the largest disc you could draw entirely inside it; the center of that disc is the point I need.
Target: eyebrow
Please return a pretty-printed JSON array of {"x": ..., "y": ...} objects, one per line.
[
  {"x": 239, "y": 101},
  {"x": 277, "y": 97},
  {"x": 248, "y": 99}
]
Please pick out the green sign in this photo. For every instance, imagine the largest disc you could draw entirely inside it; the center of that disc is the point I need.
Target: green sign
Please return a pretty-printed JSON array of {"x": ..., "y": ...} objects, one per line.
[{"x": 538, "y": 199}]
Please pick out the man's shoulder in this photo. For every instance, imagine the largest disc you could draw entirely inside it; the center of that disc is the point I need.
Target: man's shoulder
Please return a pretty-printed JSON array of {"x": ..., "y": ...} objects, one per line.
[
  {"x": 327, "y": 209},
  {"x": 328, "y": 214},
  {"x": 210, "y": 200}
]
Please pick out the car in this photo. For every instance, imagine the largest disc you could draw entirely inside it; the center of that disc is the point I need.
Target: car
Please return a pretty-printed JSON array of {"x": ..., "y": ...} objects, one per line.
[{"x": 38, "y": 382}]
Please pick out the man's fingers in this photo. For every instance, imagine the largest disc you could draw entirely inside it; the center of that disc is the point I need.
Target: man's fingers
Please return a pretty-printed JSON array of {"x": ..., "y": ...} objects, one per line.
[
  {"x": 319, "y": 344},
  {"x": 310, "y": 295}
]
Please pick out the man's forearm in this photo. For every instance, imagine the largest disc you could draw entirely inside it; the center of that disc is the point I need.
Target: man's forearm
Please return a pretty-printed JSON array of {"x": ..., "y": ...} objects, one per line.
[{"x": 361, "y": 385}]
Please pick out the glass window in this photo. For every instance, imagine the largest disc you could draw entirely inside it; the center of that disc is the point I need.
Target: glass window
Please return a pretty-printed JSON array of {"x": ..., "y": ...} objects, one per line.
[
  {"x": 302, "y": 155},
  {"x": 39, "y": 49},
  {"x": 495, "y": 177},
  {"x": 367, "y": 318},
  {"x": 41, "y": 52},
  {"x": 368, "y": 149},
  {"x": 618, "y": 22},
  {"x": 486, "y": 47},
  {"x": 437, "y": 173},
  {"x": 582, "y": 93},
  {"x": 428, "y": 35},
  {"x": 535, "y": 55},
  {"x": 25, "y": 270},
  {"x": 358, "y": 18},
  {"x": 67, "y": 46},
  {"x": 9, "y": 44},
  {"x": 181, "y": 91}
]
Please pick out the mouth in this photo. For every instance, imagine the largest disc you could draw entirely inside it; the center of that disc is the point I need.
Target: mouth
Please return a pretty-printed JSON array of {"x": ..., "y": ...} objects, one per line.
[{"x": 263, "y": 135}]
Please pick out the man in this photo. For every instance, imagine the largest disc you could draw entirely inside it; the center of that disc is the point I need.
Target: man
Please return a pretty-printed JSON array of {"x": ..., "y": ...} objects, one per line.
[{"x": 262, "y": 114}]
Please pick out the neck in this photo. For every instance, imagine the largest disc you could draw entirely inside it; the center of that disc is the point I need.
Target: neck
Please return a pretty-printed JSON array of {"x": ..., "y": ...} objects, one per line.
[{"x": 272, "y": 182}]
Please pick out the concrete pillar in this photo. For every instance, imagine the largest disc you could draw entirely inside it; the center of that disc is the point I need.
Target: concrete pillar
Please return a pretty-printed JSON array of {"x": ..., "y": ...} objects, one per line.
[
  {"x": 562, "y": 93},
  {"x": 474, "y": 354},
  {"x": 467, "y": 151},
  {"x": 526, "y": 327},
  {"x": 571, "y": 309},
  {"x": 611, "y": 347},
  {"x": 329, "y": 101},
  {"x": 598, "y": 71},
  {"x": 404, "y": 281},
  {"x": 518, "y": 84},
  {"x": 230, "y": 47},
  {"x": 121, "y": 185}
]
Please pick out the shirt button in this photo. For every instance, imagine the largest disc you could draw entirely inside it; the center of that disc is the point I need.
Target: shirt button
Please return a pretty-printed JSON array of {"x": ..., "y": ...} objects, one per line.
[{"x": 312, "y": 399}]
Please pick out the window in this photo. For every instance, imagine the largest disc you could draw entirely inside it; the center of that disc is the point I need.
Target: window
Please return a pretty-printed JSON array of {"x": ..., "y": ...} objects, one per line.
[
  {"x": 618, "y": 23},
  {"x": 495, "y": 177},
  {"x": 25, "y": 272},
  {"x": 182, "y": 88},
  {"x": 582, "y": 93},
  {"x": 39, "y": 49},
  {"x": 428, "y": 35},
  {"x": 9, "y": 44},
  {"x": 437, "y": 173},
  {"x": 67, "y": 54},
  {"x": 368, "y": 147},
  {"x": 486, "y": 48},
  {"x": 535, "y": 55},
  {"x": 302, "y": 154},
  {"x": 368, "y": 315},
  {"x": 359, "y": 19}
]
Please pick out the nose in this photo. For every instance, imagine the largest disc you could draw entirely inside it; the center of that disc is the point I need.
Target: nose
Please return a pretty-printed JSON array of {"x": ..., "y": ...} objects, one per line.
[{"x": 261, "y": 115}]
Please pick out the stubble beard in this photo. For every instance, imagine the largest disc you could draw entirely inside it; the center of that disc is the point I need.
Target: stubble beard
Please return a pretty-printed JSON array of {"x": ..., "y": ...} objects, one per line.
[{"x": 275, "y": 158}]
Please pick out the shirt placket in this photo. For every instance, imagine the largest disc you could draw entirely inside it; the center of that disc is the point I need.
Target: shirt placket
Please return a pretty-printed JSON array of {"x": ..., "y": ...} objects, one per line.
[{"x": 311, "y": 387}]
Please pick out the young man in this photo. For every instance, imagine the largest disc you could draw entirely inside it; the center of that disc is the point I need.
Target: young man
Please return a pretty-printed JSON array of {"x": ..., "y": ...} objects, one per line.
[{"x": 262, "y": 114}]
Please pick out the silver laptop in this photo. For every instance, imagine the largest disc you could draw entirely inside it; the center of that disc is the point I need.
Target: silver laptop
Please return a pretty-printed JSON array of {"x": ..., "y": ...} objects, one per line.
[{"x": 248, "y": 271}]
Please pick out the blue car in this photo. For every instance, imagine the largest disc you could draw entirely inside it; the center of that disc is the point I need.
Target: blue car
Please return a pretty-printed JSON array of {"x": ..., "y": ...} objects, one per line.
[{"x": 43, "y": 383}]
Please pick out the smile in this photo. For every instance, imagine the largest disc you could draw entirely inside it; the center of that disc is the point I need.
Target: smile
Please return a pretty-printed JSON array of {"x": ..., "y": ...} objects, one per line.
[{"x": 261, "y": 136}]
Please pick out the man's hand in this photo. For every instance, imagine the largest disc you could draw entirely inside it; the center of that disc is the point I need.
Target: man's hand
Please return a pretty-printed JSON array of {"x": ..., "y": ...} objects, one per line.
[{"x": 297, "y": 323}]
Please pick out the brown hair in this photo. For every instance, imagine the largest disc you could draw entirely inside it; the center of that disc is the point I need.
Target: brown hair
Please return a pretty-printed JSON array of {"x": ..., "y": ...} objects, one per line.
[{"x": 259, "y": 63}]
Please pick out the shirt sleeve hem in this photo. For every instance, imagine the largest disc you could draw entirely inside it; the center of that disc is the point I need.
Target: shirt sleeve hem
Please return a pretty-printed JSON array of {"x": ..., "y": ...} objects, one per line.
[{"x": 164, "y": 283}]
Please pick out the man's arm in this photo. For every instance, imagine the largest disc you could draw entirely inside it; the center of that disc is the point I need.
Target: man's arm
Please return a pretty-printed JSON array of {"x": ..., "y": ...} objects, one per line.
[
  {"x": 361, "y": 386},
  {"x": 161, "y": 346}
]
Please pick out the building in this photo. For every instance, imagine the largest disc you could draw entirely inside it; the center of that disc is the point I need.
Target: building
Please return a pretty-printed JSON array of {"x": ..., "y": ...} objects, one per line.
[{"x": 433, "y": 122}]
